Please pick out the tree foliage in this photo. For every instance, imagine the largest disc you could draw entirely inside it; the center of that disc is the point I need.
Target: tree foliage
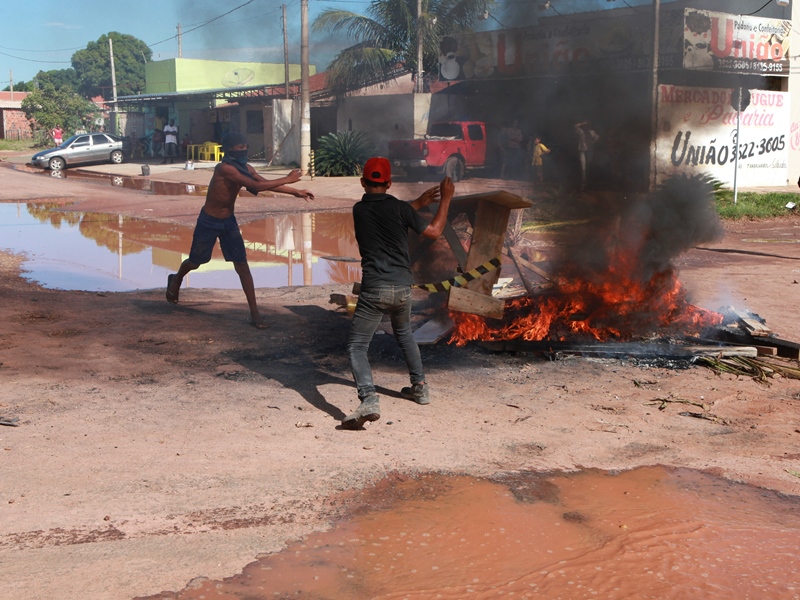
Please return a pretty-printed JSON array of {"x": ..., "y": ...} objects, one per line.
[
  {"x": 93, "y": 65},
  {"x": 388, "y": 35},
  {"x": 48, "y": 107},
  {"x": 21, "y": 86},
  {"x": 58, "y": 78}
]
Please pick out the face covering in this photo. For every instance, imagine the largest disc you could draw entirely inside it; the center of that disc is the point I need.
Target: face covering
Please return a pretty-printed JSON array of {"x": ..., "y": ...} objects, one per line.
[{"x": 240, "y": 156}]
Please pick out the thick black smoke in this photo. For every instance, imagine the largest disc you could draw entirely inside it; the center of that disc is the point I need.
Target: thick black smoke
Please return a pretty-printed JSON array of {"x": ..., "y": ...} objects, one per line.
[{"x": 640, "y": 233}]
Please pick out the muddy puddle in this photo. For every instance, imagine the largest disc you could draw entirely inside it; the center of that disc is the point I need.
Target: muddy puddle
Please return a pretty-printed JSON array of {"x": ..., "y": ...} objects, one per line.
[
  {"x": 142, "y": 184},
  {"x": 104, "y": 253},
  {"x": 647, "y": 533}
]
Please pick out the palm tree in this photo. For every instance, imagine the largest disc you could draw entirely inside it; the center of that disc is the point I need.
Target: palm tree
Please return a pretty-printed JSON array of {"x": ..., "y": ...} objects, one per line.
[{"x": 389, "y": 37}]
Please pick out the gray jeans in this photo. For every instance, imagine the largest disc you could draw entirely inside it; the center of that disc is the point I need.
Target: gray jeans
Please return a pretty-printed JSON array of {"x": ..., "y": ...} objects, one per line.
[{"x": 394, "y": 301}]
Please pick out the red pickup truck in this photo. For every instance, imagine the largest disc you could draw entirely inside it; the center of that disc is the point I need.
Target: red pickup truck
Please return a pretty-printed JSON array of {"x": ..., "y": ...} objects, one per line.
[{"x": 449, "y": 148}]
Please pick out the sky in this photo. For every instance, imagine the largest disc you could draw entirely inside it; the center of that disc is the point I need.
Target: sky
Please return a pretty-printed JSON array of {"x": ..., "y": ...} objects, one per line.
[{"x": 43, "y": 35}]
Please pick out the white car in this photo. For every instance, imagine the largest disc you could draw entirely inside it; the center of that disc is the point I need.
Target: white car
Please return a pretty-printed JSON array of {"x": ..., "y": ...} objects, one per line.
[{"x": 83, "y": 148}]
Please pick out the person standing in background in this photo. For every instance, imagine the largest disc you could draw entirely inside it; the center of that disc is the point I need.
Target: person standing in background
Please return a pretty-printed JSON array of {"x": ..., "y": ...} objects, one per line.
[
  {"x": 170, "y": 142},
  {"x": 587, "y": 138},
  {"x": 57, "y": 134},
  {"x": 539, "y": 150}
]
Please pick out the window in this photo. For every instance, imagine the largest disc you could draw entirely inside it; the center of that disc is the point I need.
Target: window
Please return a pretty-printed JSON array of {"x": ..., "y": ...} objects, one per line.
[
  {"x": 81, "y": 141},
  {"x": 255, "y": 121},
  {"x": 475, "y": 132},
  {"x": 446, "y": 130},
  {"x": 99, "y": 138}
]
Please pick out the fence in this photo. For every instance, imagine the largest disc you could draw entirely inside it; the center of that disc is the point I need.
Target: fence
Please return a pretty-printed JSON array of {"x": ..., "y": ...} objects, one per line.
[{"x": 23, "y": 133}]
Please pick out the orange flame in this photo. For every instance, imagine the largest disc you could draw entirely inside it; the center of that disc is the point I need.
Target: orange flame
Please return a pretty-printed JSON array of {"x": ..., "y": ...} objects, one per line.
[{"x": 618, "y": 307}]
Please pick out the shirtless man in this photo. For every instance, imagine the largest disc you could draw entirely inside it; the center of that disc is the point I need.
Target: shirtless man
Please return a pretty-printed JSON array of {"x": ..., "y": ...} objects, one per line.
[{"x": 217, "y": 221}]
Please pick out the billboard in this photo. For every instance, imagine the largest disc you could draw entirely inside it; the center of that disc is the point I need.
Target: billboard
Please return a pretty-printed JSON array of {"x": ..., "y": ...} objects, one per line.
[
  {"x": 697, "y": 135},
  {"x": 735, "y": 44}
]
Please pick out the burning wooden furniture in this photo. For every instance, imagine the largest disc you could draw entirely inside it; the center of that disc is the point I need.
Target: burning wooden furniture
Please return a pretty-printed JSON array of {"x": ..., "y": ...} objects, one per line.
[{"x": 488, "y": 214}]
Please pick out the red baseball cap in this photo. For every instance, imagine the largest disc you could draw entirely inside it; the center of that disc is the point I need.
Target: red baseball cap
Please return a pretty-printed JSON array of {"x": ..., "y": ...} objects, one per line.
[{"x": 378, "y": 170}]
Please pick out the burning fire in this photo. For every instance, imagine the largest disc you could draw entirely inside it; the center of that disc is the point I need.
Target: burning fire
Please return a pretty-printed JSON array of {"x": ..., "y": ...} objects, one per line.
[{"x": 617, "y": 307}]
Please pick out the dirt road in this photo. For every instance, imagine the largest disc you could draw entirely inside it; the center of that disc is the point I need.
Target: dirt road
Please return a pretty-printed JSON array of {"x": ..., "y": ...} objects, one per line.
[{"x": 159, "y": 443}]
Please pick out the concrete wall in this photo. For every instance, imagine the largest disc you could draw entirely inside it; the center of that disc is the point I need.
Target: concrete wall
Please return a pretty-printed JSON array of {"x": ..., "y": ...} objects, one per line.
[
  {"x": 384, "y": 118},
  {"x": 281, "y": 139}
]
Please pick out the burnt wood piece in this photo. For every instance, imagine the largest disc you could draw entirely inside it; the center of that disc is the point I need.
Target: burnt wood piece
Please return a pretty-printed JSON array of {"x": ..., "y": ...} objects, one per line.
[
  {"x": 752, "y": 324},
  {"x": 617, "y": 349},
  {"x": 784, "y": 348},
  {"x": 465, "y": 300},
  {"x": 433, "y": 330}
]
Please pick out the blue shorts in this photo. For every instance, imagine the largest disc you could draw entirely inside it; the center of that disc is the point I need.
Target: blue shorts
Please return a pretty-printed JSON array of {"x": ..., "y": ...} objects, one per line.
[{"x": 206, "y": 233}]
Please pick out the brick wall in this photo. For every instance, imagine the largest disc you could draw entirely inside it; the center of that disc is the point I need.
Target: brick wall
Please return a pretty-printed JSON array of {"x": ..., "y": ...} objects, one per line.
[{"x": 14, "y": 125}]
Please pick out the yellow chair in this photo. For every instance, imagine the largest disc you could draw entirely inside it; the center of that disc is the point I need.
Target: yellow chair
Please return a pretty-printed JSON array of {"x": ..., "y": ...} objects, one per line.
[{"x": 210, "y": 151}]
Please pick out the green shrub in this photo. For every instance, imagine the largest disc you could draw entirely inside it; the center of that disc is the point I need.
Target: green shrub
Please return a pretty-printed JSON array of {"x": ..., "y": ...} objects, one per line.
[{"x": 342, "y": 154}]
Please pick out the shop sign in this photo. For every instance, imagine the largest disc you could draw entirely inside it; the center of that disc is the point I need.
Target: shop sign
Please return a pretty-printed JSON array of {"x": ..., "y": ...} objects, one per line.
[
  {"x": 735, "y": 44},
  {"x": 697, "y": 135}
]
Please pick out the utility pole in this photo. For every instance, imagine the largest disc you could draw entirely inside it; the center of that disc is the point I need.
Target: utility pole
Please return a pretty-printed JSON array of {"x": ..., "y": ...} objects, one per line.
[
  {"x": 418, "y": 87},
  {"x": 654, "y": 98},
  {"x": 11, "y": 82},
  {"x": 180, "y": 42},
  {"x": 285, "y": 53},
  {"x": 114, "y": 124},
  {"x": 305, "y": 96}
]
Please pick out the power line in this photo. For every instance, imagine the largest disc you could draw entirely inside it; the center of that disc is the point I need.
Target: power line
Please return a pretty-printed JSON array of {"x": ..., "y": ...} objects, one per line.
[
  {"x": 204, "y": 24},
  {"x": 65, "y": 62},
  {"x": 54, "y": 50}
]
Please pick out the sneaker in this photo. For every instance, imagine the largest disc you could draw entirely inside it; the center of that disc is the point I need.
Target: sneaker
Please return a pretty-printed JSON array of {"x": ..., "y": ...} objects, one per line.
[
  {"x": 368, "y": 410},
  {"x": 417, "y": 392}
]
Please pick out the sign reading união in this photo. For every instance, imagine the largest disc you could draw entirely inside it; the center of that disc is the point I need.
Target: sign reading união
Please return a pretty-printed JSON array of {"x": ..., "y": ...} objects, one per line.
[
  {"x": 697, "y": 135},
  {"x": 735, "y": 44}
]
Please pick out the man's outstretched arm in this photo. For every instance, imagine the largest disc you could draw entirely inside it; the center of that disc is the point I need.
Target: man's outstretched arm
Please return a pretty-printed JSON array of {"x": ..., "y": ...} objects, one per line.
[
  {"x": 276, "y": 185},
  {"x": 436, "y": 227},
  {"x": 429, "y": 196}
]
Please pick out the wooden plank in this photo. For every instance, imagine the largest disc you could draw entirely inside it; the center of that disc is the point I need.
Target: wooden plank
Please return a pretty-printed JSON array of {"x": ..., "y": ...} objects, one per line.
[
  {"x": 463, "y": 300},
  {"x": 488, "y": 236},
  {"x": 755, "y": 328},
  {"x": 619, "y": 349},
  {"x": 766, "y": 350},
  {"x": 499, "y": 197},
  {"x": 785, "y": 348},
  {"x": 433, "y": 330},
  {"x": 747, "y": 351},
  {"x": 525, "y": 281},
  {"x": 455, "y": 245}
]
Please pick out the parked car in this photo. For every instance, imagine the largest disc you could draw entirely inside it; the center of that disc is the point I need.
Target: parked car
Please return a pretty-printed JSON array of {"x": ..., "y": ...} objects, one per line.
[{"x": 83, "y": 148}]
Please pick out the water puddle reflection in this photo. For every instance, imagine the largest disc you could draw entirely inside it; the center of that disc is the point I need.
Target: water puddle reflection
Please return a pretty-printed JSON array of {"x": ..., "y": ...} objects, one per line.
[
  {"x": 647, "y": 533},
  {"x": 100, "y": 252},
  {"x": 142, "y": 184}
]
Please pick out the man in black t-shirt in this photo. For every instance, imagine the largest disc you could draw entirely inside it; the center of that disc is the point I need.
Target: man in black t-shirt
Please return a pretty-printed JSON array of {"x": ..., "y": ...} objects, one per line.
[{"x": 381, "y": 224}]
